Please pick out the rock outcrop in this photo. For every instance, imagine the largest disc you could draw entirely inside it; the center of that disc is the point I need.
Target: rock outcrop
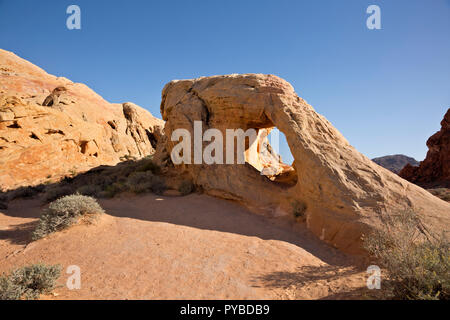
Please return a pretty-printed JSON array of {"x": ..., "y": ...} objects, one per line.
[
  {"x": 395, "y": 163},
  {"x": 50, "y": 126},
  {"x": 342, "y": 194},
  {"x": 434, "y": 171}
]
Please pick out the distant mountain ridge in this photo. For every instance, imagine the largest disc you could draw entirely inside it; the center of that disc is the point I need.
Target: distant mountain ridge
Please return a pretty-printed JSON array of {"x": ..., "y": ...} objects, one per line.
[{"x": 396, "y": 162}]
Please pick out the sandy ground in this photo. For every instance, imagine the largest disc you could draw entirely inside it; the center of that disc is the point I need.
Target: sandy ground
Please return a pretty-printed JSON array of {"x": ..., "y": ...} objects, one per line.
[{"x": 193, "y": 247}]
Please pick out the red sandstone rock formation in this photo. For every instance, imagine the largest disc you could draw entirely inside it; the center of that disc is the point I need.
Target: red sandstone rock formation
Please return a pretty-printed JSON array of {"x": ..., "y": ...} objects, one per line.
[{"x": 435, "y": 169}]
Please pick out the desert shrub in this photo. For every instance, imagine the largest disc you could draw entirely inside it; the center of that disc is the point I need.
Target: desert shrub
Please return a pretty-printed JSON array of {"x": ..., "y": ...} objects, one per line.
[
  {"x": 65, "y": 212},
  {"x": 142, "y": 187},
  {"x": 102, "y": 181},
  {"x": 139, "y": 177},
  {"x": 29, "y": 282},
  {"x": 417, "y": 263},
  {"x": 145, "y": 181},
  {"x": 89, "y": 190},
  {"x": 298, "y": 209},
  {"x": 56, "y": 192},
  {"x": 148, "y": 165},
  {"x": 140, "y": 182},
  {"x": 186, "y": 187},
  {"x": 113, "y": 189},
  {"x": 157, "y": 185}
]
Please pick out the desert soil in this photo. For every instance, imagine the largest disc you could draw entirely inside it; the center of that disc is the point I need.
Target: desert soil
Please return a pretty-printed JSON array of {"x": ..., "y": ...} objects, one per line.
[{"x": 192, "y": 247}]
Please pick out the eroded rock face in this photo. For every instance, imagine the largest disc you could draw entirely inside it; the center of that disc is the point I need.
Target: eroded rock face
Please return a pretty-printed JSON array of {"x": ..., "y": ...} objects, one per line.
[
  {"x": 435, "y": 169},
  {"x": 51, "y": 127},
  {"x": 345, "y": 193}
]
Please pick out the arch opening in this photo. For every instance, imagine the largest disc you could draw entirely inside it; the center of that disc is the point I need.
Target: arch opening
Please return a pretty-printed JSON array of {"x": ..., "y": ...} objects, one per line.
[{"x": 271, "y": 156}]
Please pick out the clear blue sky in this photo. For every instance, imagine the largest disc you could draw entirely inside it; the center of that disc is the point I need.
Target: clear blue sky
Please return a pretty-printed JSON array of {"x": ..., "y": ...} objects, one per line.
[{"x": 385, "y": 90}]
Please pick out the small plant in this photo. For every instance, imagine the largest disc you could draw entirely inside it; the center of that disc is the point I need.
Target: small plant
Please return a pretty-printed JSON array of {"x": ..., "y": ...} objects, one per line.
[
  {"x": 137, "y": 178},
  {"x": 113, "y": 189},
  {"x": 417, "y": 263},
  {"x": 157, "y": 185},
  {"x": 140, "y": 182},
  {"x": 29, "y": 282},
  {"x": 145, "y": 181},
  {"x": 149, "y": 165},
  {"x": 73, "y": 172},
  {"x": 299, "y": 210},
  {"x": 65, "y": 212},
  {"x": 127, "y": 157},
  {"x": 186, "y": 187}
]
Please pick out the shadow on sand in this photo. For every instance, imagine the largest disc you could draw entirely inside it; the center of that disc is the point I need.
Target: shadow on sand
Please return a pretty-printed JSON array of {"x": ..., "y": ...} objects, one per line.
[
  {"x": 307, "y": 275},
  {"x": 195, "y": 210},
  {"x": 18, "y": 234}
]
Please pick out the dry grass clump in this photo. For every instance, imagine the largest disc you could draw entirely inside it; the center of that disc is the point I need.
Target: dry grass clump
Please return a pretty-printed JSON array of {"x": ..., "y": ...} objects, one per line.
[
  {"x": 65, "y": 212},
  {"x": 416, "y": 262},
  {"x": 29, "y": 282}
]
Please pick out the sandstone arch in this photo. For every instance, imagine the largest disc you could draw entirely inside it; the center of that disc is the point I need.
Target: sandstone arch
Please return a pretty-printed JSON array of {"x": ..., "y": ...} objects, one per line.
[{"x": 345, "y": 193}]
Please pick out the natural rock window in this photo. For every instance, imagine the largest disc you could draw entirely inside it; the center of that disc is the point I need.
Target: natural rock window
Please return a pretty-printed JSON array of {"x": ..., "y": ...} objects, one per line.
[{"x": 267, "y": 159}]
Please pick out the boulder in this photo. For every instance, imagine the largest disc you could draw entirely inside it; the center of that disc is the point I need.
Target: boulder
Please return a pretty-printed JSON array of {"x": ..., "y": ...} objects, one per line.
[{"x": 342, "y": 193}]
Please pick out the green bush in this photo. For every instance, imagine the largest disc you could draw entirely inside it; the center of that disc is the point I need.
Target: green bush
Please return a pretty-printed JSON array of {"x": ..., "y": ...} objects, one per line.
[
  {"x": 145, "y": 181},
  {"x": 65, "y": 212},
  {"x": 140, "y": 182},
  {"x": 136, "y": 178},
  {"x": 113, "y": 189},
  {"x": 29, "y": 282},
  {"x": 417, "y": 263},
  {"x": 149, "y": 165},
  {"x": 186, "y": 187},
  {"x": 157, "y": 185}
]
